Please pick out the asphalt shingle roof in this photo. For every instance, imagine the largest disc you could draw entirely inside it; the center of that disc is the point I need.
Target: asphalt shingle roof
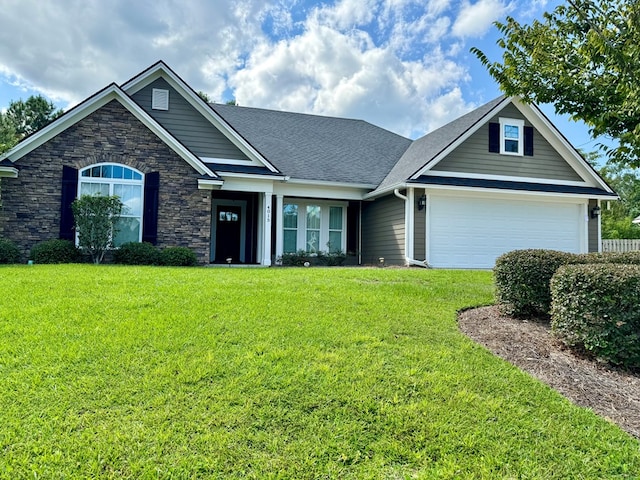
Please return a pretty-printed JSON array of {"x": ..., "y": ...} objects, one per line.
[
  {"x": 312, "y": 147},
  {"x": 425, "y": 149}
]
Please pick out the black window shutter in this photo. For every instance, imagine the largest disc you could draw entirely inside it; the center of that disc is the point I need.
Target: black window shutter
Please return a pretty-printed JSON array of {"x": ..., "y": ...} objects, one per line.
[
  {"x": 494, "y": 137},
  {"x": 150, "y": 217},
  {"x": 69, "y": 191},
  {"x": 528, "y": 141}
]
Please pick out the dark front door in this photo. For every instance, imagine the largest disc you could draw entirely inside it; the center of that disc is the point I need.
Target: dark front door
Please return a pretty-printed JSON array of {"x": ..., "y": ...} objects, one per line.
[{"x": 228, "y": 233}]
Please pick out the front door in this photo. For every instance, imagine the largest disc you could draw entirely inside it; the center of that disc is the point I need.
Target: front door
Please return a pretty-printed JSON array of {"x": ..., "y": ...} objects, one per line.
[{"x": 228, "y": 234}]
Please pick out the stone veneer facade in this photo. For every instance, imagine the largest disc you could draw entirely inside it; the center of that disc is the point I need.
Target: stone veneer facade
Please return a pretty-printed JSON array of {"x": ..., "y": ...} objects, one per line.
[{"x": 30, "y": 210}]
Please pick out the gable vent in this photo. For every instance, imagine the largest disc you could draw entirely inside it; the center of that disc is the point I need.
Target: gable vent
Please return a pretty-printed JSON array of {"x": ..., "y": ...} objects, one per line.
[{"x": 160, "y": 99}]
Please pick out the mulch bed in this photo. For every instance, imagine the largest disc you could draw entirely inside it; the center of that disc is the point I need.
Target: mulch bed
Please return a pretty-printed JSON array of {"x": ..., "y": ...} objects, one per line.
[{"x": 611, "y": 393}]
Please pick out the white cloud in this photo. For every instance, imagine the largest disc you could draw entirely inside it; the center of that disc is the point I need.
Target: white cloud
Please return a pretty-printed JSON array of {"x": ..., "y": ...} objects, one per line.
[
  {"x": 398, "y": 63},
  {"x": 475, "y": 19},
  {"x": 346, "y": 14},
  {"x": 343, "y": 73}
]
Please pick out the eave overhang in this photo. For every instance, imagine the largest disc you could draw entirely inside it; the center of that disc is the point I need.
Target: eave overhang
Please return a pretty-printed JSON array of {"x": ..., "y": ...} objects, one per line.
[{"x": 457, "y": 183}]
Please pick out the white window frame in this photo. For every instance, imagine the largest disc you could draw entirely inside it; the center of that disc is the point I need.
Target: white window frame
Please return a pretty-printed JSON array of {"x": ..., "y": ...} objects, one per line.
[
  {"x": 116, "y": 181},
  {"x": 301, "y": 238},
  {"x": 506, "y": 122},
  {"x": 159, "y": 99}
]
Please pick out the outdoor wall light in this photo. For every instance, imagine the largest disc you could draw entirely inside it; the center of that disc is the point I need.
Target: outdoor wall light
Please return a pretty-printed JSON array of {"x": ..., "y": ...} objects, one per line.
[
  {"x": 595, "y": 212},
  {"x": 422, "y": 202}
]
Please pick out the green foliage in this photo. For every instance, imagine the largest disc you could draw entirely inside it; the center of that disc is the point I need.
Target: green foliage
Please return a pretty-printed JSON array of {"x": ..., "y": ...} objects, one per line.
[
  {"x": 322, "y": 259},
  {"x": 8, "y": 137},
  {"x": 136, "y": 253},
  {"x": 628, "y": 258},
  {"x": 522, "y": 279},
  {"x": 204, "y": 96},
  {"x": 618, "y": 227},
  {"x": 31, "y": 115},
  {"x": 617, "y": 216},
  {"x": 54, "y": 251},
  {"x": 140, "y": 372},
  {"x": 23, "y": 117},
  {"x": 9, "y": 252},
  {"x": 95, "y": 220},
  {"x": 178, "y": 257},
  {"x": 584, "y": 58},
  {"x": 595, "y": 310}
]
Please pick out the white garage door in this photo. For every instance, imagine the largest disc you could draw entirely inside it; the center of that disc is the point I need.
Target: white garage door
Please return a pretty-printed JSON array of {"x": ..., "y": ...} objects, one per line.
[{"x": 472, "y": 232}]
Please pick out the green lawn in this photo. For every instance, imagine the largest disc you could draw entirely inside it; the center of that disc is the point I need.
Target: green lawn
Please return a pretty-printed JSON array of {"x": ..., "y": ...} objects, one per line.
[{"x": 125, "y": 372}]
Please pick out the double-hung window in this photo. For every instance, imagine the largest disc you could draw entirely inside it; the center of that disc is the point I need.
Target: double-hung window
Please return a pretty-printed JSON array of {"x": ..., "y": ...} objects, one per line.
[
  {"x": 125, "y": 182},
  {"x": 313, "y": 226},
  {"x": 511, "y": 136}
]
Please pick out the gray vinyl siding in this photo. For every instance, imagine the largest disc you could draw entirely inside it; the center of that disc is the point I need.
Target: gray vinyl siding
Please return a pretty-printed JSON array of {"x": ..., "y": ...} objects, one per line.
[
  {"x": 592, "y": 228},
  {"x": 383, "y": 231},
  {"x": 419, "y": 231},
  {"x": 188, "y": 125},
  {"x": 473, "y": 156}
]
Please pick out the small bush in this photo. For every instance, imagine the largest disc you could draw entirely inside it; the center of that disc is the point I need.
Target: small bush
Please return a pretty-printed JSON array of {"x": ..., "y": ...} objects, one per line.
[
  {"x": 136, "y": 253},
  {"x": 54, "y": 251},
  {"x": 595, "y": 310},
  {"x": 178, "y": 257},
  {"x": 628, "y": 258},
  {"x": 299, "y": 258},
  {"x": 522, "y": 279},
  {"x": 9, "y": 251}
]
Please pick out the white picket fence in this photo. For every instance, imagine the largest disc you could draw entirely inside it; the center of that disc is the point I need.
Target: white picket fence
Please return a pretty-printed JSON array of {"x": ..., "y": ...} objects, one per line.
[{"x": 620, "y": 245}]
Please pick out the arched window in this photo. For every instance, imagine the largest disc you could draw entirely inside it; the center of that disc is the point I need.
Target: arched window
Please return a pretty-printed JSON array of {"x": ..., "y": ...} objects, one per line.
[{"x": 126, "y": 183}]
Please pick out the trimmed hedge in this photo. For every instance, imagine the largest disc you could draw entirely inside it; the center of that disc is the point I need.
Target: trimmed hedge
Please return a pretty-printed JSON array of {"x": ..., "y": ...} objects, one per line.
[
  {"x": 323, "y": 259},
  {"x": 523, "y": 277},
  {"x": 9, "y": 252},
  {"x": 55, "y": 251},
  {"x": 595, "y": 310},
  {"x": 137, "y": 253},
  {"x": 178, "y": 257}
]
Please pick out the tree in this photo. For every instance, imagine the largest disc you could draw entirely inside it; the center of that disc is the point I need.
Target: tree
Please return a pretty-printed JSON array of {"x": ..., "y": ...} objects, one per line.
[
  {"x": 95, "y": 218},
  {"x": 618, "y": 216},
  {"x": 22, "y": 118},
  {"x": 204, "y": 96},
  {"x": 8, "y": 137},
  {"x": 584, "y": 58},
  {"x": 31, "y": 115}
]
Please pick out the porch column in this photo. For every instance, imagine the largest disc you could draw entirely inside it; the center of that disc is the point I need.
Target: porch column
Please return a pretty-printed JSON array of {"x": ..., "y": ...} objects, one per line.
[
  {"x": 409, "y": 224},
  {"x": 266, "y": 228},
  {"x": 279, "y": 231}
]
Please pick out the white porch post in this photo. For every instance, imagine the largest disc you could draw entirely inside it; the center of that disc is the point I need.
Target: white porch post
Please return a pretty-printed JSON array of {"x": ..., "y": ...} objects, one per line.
[
  {"x": 266, "y": 228},
  {"x": 409, "y": 224},
  {"x": 279, "y": 232}
]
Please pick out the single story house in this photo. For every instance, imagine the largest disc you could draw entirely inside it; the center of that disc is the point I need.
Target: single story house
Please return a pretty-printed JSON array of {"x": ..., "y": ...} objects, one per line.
[{"x": 251, "y": 184}]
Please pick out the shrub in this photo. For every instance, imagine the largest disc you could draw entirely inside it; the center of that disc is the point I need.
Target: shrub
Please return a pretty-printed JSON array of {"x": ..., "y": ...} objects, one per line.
[
  {"x": 299, "y": 258},
  {"x": 95, "y": 218},
  {"x": 522, "y": 279},
  {"x": 595, "y": 310},
  {"x": 629, "y": 258},
  {"x": 136, "y": 253},
  {"x": 178, "y": 257},
  {"x": 9, "y": 252},
  {"x": 54, "y": 251}
]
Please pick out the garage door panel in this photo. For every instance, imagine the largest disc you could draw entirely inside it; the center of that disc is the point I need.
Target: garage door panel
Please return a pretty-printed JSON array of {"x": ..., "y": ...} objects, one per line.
[{"x": 472, "y": 232}]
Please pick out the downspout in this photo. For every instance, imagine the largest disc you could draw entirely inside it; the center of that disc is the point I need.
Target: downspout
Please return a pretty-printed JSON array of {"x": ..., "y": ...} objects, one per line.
[
  {"x": 410, "y": 261},
  {"x": 360, "y": 232}
]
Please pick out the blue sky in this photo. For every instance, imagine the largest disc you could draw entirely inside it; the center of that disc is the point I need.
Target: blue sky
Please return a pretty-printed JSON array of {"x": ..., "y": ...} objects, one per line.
[{"x": 401, "y": 64}]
